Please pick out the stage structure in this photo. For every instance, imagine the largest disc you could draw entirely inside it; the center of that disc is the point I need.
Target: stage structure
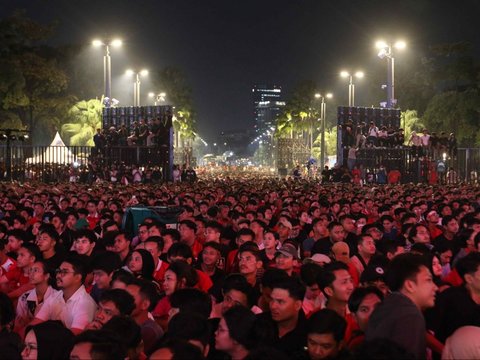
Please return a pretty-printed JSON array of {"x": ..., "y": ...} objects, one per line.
[{"x": 160, "y": 117}]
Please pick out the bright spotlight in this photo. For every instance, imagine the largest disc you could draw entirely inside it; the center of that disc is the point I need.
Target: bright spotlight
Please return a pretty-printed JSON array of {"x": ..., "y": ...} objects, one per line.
[
  {"x": 97, "y": 42},
  {"x": 151, "y": 94},
  {"x": 129, "y": 72},
  {"x": 344, "y": 74},
  {"x": 317, "y": 96},
  {"x": 381, "y": 44},
  {"x": 162, "y": 94},
  {"x": 144, "y": 72},
  {"x": 359, "y": 74},
  {"x": 400, "y": 45},
  {"x": 329, "y": 96},
  {"x": 116, "y": 43}
]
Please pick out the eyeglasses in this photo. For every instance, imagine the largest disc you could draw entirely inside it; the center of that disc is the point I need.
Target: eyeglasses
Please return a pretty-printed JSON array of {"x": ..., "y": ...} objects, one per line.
[{"x": 63, "y": 272}]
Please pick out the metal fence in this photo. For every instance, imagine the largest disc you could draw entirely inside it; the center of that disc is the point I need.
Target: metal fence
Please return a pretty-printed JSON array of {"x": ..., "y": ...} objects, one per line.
[
  {"x": 57, "y": 163},
  {"x": 417, "y": 167}
]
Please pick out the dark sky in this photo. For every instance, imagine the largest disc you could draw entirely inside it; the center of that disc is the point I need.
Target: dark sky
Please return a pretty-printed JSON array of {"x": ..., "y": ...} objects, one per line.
[{"x": 226, "y": 46}]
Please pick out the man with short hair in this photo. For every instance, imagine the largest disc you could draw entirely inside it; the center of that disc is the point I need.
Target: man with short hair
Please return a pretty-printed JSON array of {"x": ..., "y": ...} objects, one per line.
[
  {"x": 188, "y": 230},
  {"x": 121, "y": 246},
  {"x": 73, "y": 305},
  {"x": 365, "y": 252},
  {"x": 146, "y": 298},
  {"x": 320, "y": 233},
  {"x": 104, "y": 266},
  {"x": 98, "y": 344},
  {"x": 336, "y": 233},
  {"x": 84, "y": 243},
  {"x": 325, "y": 336},
  {"x": 113, "y": 302},
  {"x": 47, "y": 241},
  {"x": 286, "y": 316},
  {"x": 399, "y": 318},
  {"x": 336, "y": 284},
  {"x": 450, "y": 230},
  {"x": 154, "y": 245}
]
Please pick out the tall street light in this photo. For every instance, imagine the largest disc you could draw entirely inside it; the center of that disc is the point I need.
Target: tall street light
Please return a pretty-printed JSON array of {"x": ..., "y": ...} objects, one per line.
[
  {"x": 107, "y": 66},
  {"x": 386, "y": 51},
  {"x": 323, "y": 118},
  {"x": 136, "y": 84},
  {"x": 351, "y": 85},
  {"x": 160, "y": 97}
]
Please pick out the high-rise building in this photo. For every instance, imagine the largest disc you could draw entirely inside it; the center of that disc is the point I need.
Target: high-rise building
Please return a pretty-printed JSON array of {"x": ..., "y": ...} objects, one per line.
[{"x": 268, "y": 102}]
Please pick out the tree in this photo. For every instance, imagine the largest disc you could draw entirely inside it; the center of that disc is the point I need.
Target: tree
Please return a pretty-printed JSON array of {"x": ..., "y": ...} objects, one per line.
[
  {"x": 172, "y": 81},
  {"x": 457, "y": 112},
  {"x": 85, "y": 117},
  {"x": 32, "y": 85},
  {"x": 410, "y": 121}
]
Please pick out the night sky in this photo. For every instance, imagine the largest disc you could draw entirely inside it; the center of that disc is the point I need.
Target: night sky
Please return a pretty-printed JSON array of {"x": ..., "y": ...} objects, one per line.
[{"x": 225, "y": 47}]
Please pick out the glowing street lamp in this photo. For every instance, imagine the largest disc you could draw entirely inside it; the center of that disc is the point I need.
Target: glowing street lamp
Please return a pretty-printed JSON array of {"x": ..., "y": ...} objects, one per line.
[
  {"x": 386, "y": 51},
  {"x": 136, "y": 84},
  {"x": 323, "y": 112},
  {"x": 107, "y": 66},
  {"x": 158, "y": 97},
  {"x": 351, "y": 85}
]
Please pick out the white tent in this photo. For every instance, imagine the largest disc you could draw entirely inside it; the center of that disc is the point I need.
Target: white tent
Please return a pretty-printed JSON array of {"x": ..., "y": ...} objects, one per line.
[{"x": 56, "y": 153}]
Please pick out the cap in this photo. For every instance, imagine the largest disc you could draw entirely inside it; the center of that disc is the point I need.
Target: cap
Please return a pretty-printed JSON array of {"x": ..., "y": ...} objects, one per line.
[
  {"x": 285, "y": 223},
  {"x": 319, "y": 258},
  {"x": 373, "y": 273},
  {"x": 288, "y": 250}
]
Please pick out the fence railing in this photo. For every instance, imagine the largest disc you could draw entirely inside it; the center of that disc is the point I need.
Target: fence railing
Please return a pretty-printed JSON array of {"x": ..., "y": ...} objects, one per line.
[
  {"x": 417, "y": 167},
  {"x": 56, "y": 163}
]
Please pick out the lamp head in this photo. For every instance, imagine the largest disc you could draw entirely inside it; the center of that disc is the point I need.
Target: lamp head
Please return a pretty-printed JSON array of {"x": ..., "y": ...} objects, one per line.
[
  {"x": 381, "y": 44},
  {"x": 97, "y": 43},
  {"x": 129, "y": 72},
  {"x": 144, "y": 72},
  {"x": 400, "y": 45},
  {"x": 329, "y": 95},
  {"x": 344, "y": 74},
  {"x": 359, "y": 74},
  {"x": 318, "y": 96},
  {"x": 116, "y": 43},
  {"x": 382, "y": 53}
]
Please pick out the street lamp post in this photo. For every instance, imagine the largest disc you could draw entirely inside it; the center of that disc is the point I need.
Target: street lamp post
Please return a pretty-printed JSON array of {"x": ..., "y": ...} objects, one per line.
[
  {"x": 107, "y": 66},
  {"x": 160, "y": 97},
  {"x": 323, "y": 113},
  {"x": 387, "y": 51},
  {"x": 136, "y": 85},
  {"x": 351, "y": 85}
]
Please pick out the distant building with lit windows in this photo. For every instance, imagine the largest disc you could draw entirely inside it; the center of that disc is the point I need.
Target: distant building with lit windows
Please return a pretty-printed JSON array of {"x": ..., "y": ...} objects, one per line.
[{"x": 268, "y": 103}]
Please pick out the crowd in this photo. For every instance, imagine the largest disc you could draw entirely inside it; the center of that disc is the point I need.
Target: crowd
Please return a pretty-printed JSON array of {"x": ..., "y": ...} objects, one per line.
[
  {"x": 383, "y": 137},
  {"x": 141, "y": 133},
  {"x": 257, "y": 268}
]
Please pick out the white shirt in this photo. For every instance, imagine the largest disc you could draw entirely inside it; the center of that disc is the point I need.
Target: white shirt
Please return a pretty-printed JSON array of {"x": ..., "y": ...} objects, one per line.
[
  {"x": 24, "y": 311},
  {"x": 76, "y": 313}
]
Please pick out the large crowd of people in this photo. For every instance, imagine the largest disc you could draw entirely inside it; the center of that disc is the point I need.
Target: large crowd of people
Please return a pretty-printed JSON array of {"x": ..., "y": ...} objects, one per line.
[{"x": 254, "y": 268}]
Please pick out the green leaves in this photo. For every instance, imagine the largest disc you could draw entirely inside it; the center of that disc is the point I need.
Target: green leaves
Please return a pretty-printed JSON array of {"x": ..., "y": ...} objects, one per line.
[{"x": 85, "y": 118}]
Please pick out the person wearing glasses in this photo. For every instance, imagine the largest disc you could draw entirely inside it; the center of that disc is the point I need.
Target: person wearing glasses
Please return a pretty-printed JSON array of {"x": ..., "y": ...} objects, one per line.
[{"x": 72, "y": 305}]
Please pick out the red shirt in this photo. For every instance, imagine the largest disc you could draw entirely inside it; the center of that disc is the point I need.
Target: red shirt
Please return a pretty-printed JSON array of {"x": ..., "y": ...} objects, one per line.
[
  {"x": 196, "y": 249},
  {"x": 159, "y": 272}
]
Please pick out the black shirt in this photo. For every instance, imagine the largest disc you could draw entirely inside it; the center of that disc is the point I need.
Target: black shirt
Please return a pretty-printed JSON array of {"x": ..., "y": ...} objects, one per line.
[
  {"x": 453, "y": 309},
  {"x": 291, "y": 343}
]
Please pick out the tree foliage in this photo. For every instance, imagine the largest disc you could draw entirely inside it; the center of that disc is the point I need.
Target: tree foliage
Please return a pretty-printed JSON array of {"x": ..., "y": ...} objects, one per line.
[
  {"x": 172, "y": 81},
  {"x": 32, "y": 84},
  {"x": 85, "y": 117}
]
